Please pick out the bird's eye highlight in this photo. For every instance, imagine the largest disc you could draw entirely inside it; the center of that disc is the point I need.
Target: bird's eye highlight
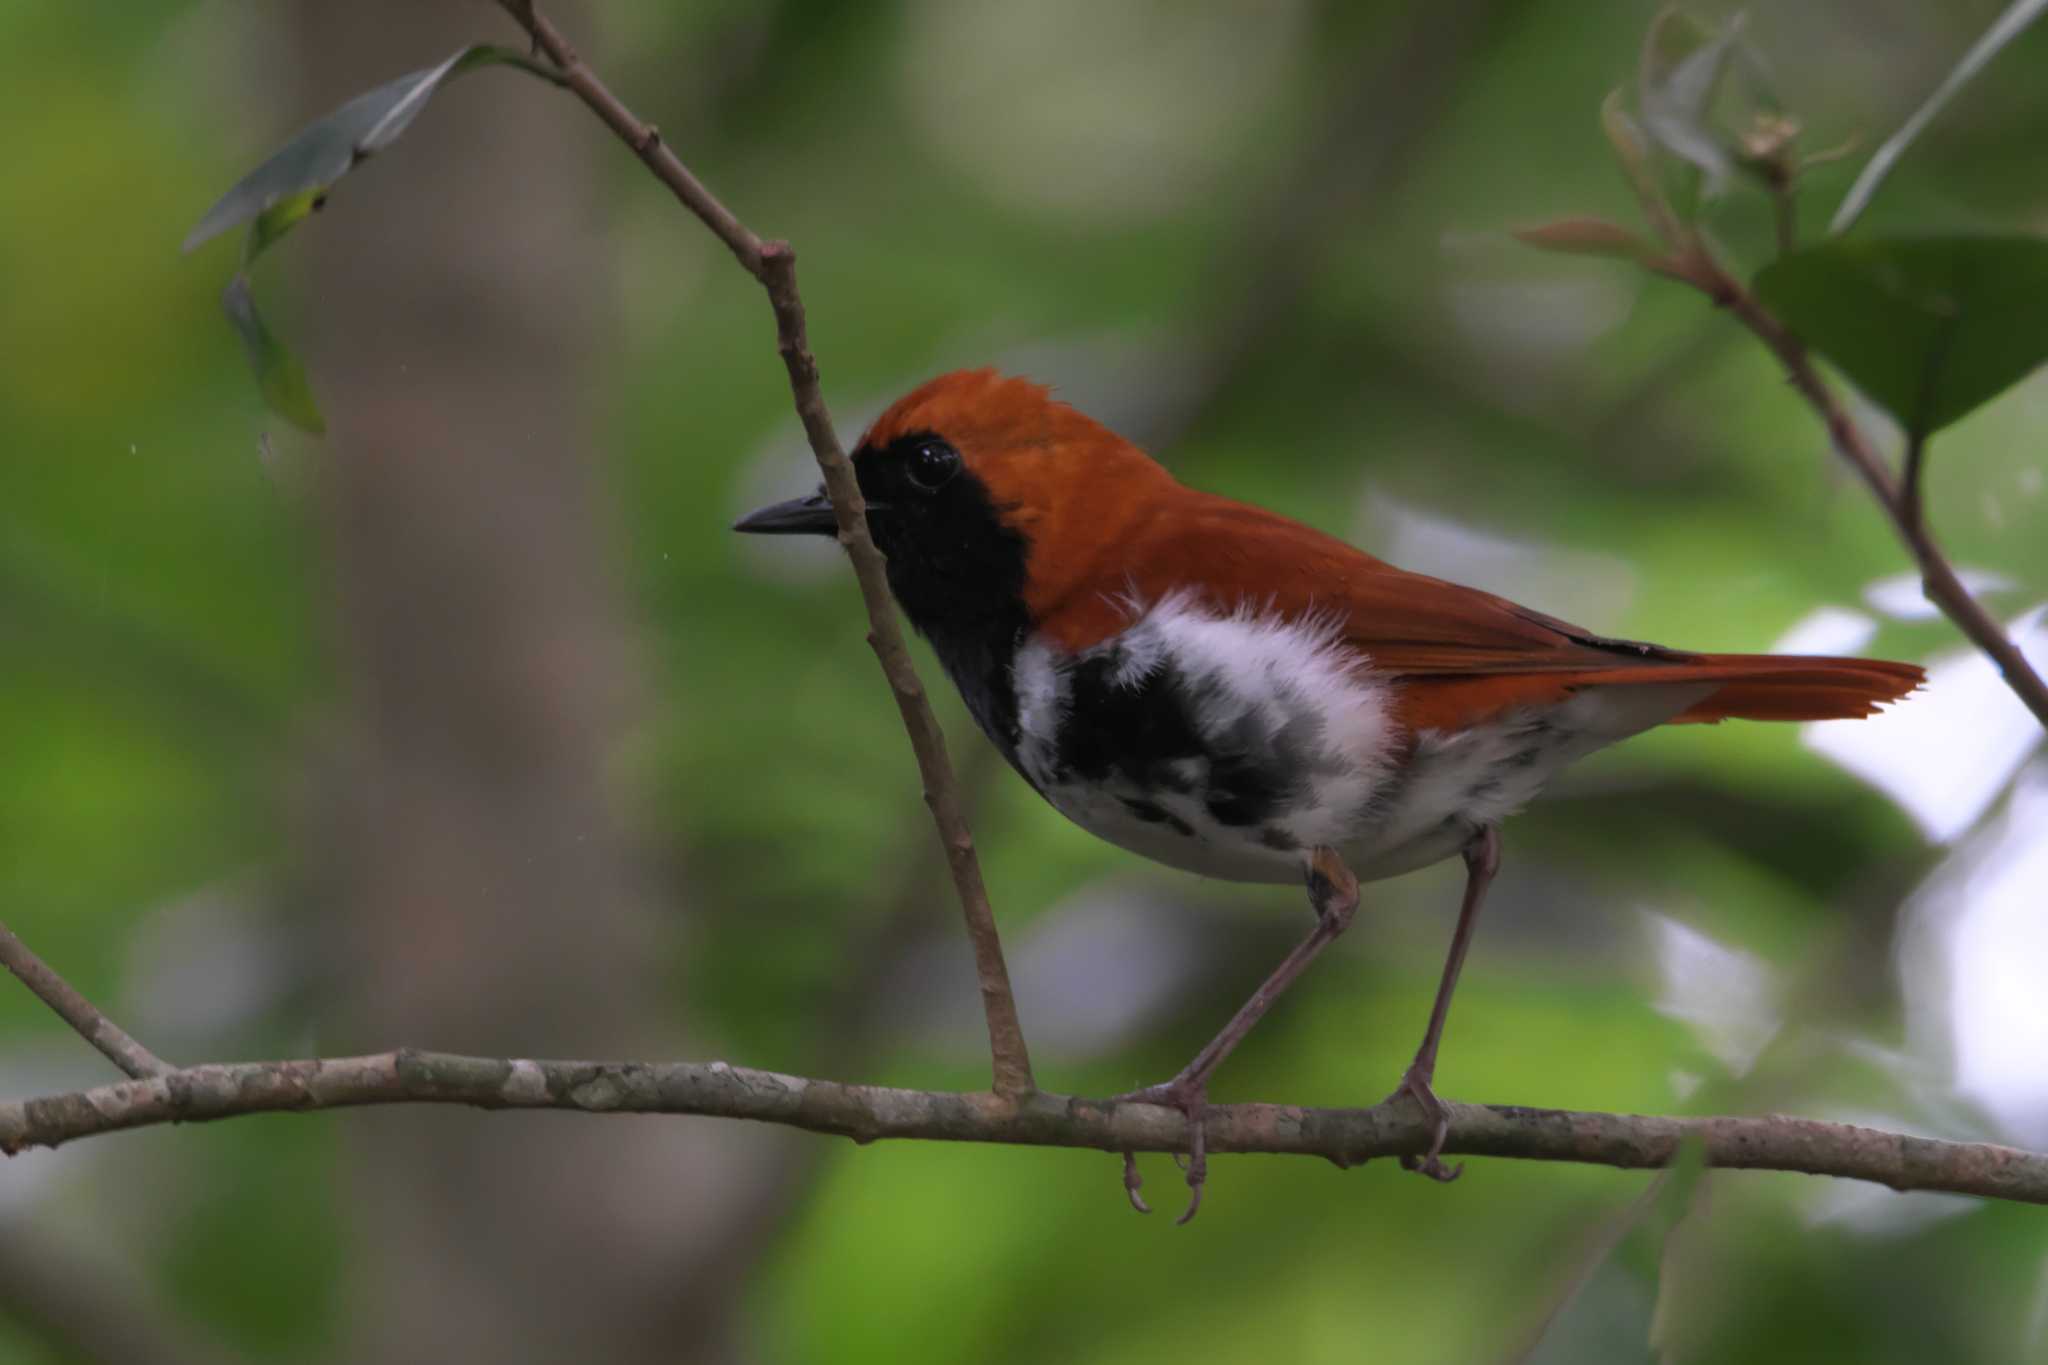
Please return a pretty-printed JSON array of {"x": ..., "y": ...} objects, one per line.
[{"x": 931, "y": 464}]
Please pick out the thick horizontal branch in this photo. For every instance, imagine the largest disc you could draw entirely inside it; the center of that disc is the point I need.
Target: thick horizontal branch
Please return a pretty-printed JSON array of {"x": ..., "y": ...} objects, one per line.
[{"x": 866, "y": 1113}]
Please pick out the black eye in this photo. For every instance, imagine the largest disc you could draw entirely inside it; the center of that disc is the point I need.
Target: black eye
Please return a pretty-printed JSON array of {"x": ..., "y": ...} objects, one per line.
[{"x": 931, "y": 463}]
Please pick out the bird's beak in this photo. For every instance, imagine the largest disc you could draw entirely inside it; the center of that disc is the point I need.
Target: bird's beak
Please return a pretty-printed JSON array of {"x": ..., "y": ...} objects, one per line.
[{"x": 808, "y": 516}]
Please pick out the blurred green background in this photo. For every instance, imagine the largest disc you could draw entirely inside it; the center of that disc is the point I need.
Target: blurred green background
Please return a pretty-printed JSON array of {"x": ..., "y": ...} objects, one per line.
[{"x": 471, "y": 726}]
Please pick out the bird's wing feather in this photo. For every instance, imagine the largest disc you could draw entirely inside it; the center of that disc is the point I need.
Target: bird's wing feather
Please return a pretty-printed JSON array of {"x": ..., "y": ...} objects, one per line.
[
  {"x": 1460, "y": 653},
  {"x": 1408, "y": 623}
]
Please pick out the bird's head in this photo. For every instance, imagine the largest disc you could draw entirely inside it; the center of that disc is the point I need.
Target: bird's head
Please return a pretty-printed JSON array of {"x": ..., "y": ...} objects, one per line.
[{"x": 985, "y": 493}]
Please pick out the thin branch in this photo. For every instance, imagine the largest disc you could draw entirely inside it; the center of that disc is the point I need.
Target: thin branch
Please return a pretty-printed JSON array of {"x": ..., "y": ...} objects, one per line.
[
  {"x": 1912, "y": 506},
  {"x": 1785, "y": 217},
  {"x": 77, "y": 1011},
  {"x": 867, "y": 1113},
  {"x": 774, "y": 265},
  {"x": 1697, "y": 267}
]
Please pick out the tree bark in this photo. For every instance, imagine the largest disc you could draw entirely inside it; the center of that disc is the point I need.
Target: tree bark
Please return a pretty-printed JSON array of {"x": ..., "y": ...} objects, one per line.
[{"x": 478, "y": 883}]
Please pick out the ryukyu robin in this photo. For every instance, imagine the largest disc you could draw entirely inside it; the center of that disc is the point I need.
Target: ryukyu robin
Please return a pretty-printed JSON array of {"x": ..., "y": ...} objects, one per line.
[{"x": 1224, "y": 690}]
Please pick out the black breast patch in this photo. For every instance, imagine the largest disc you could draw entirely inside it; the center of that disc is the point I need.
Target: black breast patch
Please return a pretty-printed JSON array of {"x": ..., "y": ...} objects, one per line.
[{"x": 1166, "y": 732}]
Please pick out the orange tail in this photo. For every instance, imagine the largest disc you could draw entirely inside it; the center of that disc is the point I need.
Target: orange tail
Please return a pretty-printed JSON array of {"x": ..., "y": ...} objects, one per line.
[{"x": 1798, "y": 687}]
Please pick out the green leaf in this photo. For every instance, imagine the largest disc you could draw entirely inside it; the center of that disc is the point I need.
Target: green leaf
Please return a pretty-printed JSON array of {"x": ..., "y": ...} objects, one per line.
[
  {"x": 304, "y": 168},
  {"x": 279, "y": 375},
  {"x": 285, "y": 190},
  {"x": 1681, "y": 70},
  {"x": 1929, "y": 328},
  {"x": 275, "y": 221},
  {"x": 2009, "y": 25}
]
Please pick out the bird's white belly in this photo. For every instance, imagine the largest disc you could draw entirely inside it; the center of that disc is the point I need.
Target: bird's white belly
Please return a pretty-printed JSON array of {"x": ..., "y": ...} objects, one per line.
[
  {"x": 1454, "y": 785},
  {"x": 1229, "y": 744}
]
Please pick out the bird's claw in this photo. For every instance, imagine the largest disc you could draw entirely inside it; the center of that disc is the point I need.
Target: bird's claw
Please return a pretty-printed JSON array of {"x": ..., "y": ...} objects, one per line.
[
  {"x": 1197, "y": 1162},
  {"x": 1432, "y": 1167},
  {"x": 1192, "y": 1101},
  {"x": 1132, "y": 1182},
  {"x": 1415, "y": 1085}
]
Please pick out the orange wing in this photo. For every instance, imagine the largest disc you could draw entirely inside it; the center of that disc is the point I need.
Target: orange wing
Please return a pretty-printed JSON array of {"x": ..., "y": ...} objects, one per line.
[{"x": 1461, "y": 654}]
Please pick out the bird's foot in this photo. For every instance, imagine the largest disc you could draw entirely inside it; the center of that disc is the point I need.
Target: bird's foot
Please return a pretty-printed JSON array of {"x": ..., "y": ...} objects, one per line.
[
  {"x": 1415, "y": 1085},
  {"x": 1192, "y": 1099},
  {"x": 1133, "y": 1182}
]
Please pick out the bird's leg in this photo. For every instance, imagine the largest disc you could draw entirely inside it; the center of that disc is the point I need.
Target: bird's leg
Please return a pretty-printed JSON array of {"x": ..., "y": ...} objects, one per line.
[
  {"x": 1482, "y": 860},
  {"x": 1333, "y": 891}
]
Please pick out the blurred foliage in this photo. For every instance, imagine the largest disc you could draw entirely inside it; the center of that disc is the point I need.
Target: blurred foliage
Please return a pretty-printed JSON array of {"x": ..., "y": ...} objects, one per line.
[{"x": 1275, "y": 235}]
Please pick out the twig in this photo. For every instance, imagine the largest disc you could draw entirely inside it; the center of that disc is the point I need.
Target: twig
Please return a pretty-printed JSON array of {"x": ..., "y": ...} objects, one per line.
[
  {"x": 1696, "y": 266},
  {"x": 1785, "y": 216},
  {"x": 77, "y": 1011},
  {"x": 866, "y": 1113},
  {"x": 1914, "y": 509},
  {"x": 773, "y": 263}
]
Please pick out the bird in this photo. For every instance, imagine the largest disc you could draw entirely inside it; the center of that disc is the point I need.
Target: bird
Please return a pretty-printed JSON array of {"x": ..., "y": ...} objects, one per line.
[{"x": 1230, "y": 692}]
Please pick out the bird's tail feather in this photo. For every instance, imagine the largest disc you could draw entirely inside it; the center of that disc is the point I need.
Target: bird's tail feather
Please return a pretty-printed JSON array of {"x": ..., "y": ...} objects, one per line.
[{"x": 1794, "y": 687}]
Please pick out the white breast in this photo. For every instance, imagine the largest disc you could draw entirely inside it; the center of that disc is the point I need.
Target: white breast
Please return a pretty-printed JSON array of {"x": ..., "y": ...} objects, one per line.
[{"x": 1222, "y": 742}]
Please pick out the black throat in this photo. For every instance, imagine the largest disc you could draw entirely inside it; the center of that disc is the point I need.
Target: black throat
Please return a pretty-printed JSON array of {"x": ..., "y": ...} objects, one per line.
[{"x": 958, "y": 571}]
